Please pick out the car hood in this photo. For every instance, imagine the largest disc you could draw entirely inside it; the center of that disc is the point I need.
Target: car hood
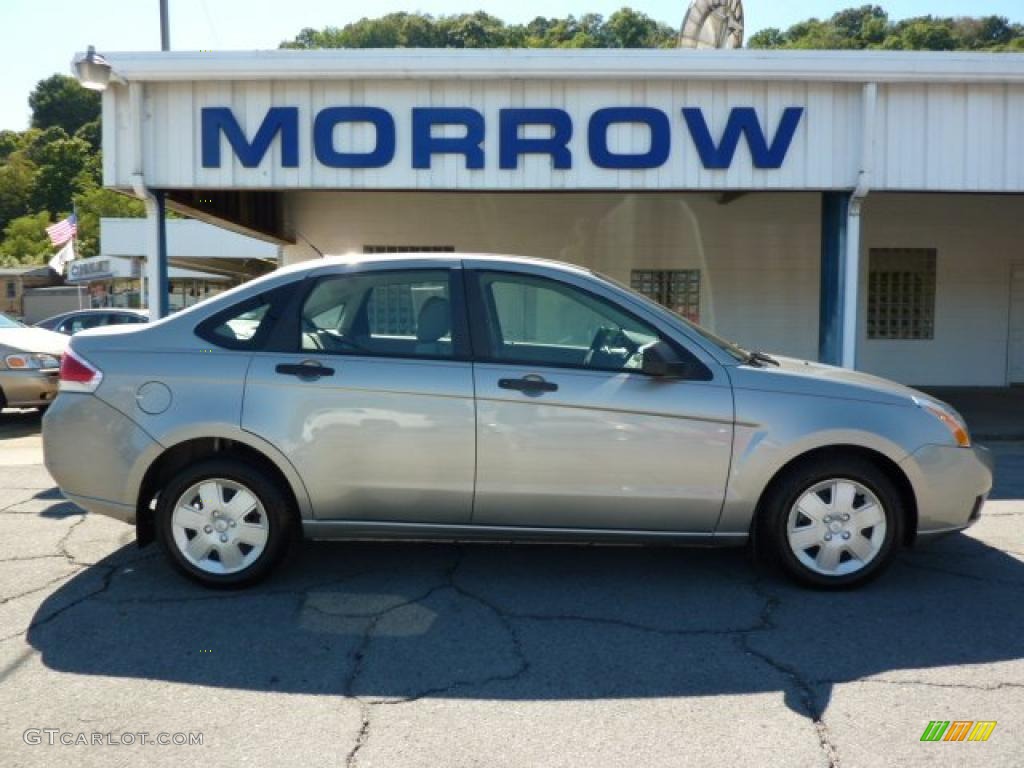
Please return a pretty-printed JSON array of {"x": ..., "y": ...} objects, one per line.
[
  {"x": 32, "y": 340},
  {"x": 805, "y": 377}
]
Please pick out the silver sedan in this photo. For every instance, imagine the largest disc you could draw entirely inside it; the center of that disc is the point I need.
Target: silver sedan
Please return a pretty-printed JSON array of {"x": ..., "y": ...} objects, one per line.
[{"x": 480, "y": 397}]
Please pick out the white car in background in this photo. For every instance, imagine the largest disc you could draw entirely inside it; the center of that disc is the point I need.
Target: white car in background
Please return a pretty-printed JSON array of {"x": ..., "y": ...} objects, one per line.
[{"x": 29, "y": 364}]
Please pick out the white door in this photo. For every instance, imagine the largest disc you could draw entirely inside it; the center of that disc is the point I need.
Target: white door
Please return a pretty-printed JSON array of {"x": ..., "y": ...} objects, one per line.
[{"x": 1016, "y": 352}]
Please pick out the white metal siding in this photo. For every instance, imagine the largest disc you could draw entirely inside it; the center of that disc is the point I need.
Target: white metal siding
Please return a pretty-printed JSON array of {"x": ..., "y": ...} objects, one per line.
[
  {"x": 823, "y": 153},
  {"x": 944, "y": 137},
  {"x": 930, "y": 137}
]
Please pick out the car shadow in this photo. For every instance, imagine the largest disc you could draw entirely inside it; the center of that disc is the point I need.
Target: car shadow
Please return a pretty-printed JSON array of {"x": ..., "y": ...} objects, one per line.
[
  {"x": 516, "y": 622},
  {"x": 19, "y": 422}
]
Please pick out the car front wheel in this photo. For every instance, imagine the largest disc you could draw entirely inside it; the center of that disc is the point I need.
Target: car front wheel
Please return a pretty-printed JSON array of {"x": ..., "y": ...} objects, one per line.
[
  {"x": 834, "y": 523},
  {"x": 223, "y": 523}
]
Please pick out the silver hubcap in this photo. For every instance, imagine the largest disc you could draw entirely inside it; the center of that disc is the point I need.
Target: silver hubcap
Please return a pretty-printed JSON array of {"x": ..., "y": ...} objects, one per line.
[
  {"x": 836, "y": 527},
  {"x": 220, "y": 526}
]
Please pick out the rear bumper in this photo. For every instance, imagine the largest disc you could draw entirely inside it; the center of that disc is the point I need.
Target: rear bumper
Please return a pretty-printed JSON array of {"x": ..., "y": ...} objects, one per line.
[
  {"x": 29, "y": 388},
  {"x": 951, "y": 485},
  {"x": 96, "y": 454}
]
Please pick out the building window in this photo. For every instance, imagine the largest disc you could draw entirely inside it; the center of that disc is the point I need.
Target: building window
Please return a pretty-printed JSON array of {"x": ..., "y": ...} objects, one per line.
[
  {"x": 12, "y": 289},
  {"x": 677, "y": 289},
  {"x": 901, "y": 293},
  {"x": 408, "y": 249}
]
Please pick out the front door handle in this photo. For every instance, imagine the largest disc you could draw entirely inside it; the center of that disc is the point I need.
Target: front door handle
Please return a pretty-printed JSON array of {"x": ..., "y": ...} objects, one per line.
[
  {"x": 530, "y": 385},
  {"x": 304, "y": 370}
]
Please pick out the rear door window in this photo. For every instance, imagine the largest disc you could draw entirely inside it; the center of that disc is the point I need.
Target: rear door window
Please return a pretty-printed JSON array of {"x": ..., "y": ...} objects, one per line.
[{"x": 404, "y": 313}]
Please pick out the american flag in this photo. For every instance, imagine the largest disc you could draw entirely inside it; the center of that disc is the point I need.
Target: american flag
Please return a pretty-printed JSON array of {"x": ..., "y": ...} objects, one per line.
[{"x": 63, "y": 231}]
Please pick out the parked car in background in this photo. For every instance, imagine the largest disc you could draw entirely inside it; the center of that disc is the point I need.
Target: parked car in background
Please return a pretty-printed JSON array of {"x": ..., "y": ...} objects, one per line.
[
  {"x": 70, "y": 323},
  {"x": 29, "y": 364},
  {"x": 463, "y": 397}
]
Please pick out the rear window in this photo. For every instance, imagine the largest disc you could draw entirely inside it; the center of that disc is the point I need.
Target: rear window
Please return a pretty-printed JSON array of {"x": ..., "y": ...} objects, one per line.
[{"x": 240, "y": 327}]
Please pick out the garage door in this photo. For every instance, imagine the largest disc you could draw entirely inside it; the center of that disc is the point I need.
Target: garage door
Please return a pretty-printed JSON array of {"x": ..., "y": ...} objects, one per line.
[{"x": 1016, "y": 352}]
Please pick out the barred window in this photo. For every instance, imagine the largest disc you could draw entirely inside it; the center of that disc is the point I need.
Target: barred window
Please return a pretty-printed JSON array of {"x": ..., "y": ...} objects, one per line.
[
  {"x": 677, "y": 289},
  {"x": 408, "y": 249},
  {"x": 901, "y": 293}
]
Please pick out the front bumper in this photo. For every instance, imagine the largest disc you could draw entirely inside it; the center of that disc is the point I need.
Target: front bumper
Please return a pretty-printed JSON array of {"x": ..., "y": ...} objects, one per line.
[
  {"x": 25, "y": 389},
  {"x": 951, "y": 484}
]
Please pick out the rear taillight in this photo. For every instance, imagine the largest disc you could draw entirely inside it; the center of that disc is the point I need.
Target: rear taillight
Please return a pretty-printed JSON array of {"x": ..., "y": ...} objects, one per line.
[{"x": 78, "y": 374}]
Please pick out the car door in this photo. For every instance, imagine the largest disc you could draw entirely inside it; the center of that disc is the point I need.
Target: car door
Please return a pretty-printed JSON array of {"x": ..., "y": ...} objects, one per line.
[
  {"x": 570, "y": 432},
  {"x": 369, "y": 393}
]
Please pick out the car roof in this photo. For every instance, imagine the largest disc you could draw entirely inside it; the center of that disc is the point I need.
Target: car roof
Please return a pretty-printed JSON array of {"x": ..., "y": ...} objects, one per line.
[
  {"x": 102, "y": 310},
  {"x": 495, "y": 259}
]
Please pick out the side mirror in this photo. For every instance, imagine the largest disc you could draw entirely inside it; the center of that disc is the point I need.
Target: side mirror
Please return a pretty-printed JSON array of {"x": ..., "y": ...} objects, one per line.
[{"x": 659, "y": 359}]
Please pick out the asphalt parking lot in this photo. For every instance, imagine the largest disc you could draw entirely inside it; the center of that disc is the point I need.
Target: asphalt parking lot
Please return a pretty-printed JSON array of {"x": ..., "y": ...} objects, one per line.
[{"x": 477, "y": 655}]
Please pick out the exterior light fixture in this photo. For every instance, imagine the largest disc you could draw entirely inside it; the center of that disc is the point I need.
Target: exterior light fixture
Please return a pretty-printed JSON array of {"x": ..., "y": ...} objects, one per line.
[{"x": 93, "y": 71}]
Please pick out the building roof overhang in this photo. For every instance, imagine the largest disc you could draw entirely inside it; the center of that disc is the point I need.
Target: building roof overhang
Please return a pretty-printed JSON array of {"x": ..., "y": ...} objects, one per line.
[{"x": 583, "y": 64}]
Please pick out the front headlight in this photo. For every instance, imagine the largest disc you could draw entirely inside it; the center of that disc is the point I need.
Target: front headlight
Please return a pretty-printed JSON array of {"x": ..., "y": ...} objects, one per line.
[
  {"x": 949, "y": 418},
  {"x": 34, "y": 362}
]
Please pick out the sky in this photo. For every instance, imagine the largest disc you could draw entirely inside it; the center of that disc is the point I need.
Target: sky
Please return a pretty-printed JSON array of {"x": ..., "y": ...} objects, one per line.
[{"x": 40, "y": 38}]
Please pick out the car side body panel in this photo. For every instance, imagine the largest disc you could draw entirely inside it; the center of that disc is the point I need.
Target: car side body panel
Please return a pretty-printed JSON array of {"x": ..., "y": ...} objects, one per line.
[
  {"x": 775, "y": 425},
  {"x": 380, "y": 439},
  {"x": 606, "y": 450}
]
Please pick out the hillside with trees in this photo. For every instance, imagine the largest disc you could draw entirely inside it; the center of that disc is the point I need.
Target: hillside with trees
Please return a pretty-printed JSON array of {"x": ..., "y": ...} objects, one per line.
[
  {"x": 56, "y": 163},
  {"x": 625, "y": 28},
  {"x": 870, "y": 28}
]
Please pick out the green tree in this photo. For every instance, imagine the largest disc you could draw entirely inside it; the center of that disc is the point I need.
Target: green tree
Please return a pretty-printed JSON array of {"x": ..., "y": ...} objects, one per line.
[
  {"x": 17, "y": 185},
  {"x": 770, "y": 37},
  {"x": 60, "y": 163},
  {"x": 91, "y": 134},
  {"x": 25, "y": 242},
  {"x": 869, "y": 26},
  {"x": 60, "y": 101},
  {"x": 96, "y": 203},
  {"x": 10, "y": 142},
  {"x": 625, "y": 28}
]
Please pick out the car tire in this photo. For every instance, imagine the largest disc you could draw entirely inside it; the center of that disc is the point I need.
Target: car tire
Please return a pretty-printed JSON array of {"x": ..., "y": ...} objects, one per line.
[
  {"x": 833, "y": 523},
  {"x": 223, "y": 523}
]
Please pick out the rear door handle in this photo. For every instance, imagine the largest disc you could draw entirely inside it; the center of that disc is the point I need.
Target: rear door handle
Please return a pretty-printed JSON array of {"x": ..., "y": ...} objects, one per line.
[
  {"x": 530, "y": 385},
  {"x": 304, "y": 370}
]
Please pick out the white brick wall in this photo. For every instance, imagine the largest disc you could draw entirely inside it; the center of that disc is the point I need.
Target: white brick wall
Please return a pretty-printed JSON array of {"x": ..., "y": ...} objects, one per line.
[{"x": 977, "y": 238}]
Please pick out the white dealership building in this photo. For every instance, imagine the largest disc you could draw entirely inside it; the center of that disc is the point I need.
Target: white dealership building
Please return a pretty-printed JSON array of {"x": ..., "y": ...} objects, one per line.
[{"x": 863, "y": 208}]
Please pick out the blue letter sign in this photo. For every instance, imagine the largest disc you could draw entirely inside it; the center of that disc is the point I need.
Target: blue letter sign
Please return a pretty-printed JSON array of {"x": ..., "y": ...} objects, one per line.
[
  {"x": 742, "y": 120},
  {"x": 654, "y": 119},
  {"x": 323, "y": 137},
  {"x": 283, "y": 120},
  {"x": 513, "y": 142},
  {"x": 513, "y": 145},
  {"x": 425, "y": 144}
]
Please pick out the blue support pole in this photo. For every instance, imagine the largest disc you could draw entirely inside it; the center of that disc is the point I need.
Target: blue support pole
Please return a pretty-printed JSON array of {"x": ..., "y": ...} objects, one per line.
[
  {"x": 834, "y": 208},
  {"x": 161, "y": 270}
]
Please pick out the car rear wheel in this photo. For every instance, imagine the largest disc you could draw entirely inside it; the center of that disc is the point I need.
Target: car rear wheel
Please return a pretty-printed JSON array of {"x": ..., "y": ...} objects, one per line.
[
  {"x": 833, "y": 523},
  {"x": 224, "y": 524}
]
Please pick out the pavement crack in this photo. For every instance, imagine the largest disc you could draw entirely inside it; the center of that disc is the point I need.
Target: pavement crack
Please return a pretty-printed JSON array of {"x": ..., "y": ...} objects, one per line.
[
  {"x": 804, "y": 688},
  {"x": 366, "y": 705},
  {"x": 39, "y": 588},
  {"x": 927, "y": 684},
  {"x": 29, "y": 557}
]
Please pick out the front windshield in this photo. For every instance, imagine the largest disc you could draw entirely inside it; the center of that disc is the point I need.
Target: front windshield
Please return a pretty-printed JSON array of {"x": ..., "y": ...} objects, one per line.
[
  {"x": 7, "y": 322},
  {"x": 735, "y": 350}
]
